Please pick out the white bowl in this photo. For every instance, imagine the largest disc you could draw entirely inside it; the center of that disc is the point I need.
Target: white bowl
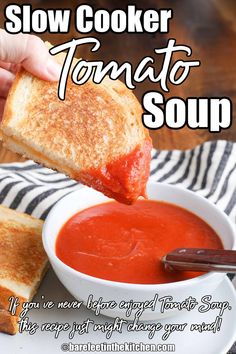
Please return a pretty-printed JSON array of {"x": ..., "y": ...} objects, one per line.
[{"x": 81, "y": 285}]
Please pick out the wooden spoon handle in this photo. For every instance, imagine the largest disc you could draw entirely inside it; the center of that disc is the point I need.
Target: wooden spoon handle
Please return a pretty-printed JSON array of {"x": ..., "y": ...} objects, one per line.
[{"x": 200, "y": 259}]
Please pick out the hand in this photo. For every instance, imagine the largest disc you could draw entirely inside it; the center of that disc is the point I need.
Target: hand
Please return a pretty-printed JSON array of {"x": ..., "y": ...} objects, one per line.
[{"x": 29, "y": 52}]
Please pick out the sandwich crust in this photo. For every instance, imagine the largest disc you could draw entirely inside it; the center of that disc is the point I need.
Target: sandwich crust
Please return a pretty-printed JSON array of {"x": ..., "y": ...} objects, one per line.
[
  {"x": 23, "y": 262},
  {"x": 8, "y": 323}
]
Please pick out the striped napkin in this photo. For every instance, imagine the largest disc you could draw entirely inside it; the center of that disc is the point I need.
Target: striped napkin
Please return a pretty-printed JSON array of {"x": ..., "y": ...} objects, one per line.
[{"x": 209, "y": 169}]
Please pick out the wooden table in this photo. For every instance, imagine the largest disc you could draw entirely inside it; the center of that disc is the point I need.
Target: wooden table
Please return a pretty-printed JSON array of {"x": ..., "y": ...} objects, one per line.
[{"x": 208, "y": 27}]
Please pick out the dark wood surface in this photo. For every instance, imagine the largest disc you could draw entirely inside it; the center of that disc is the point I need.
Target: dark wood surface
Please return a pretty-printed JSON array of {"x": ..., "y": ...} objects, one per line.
[{"x": 208, "y": 27}]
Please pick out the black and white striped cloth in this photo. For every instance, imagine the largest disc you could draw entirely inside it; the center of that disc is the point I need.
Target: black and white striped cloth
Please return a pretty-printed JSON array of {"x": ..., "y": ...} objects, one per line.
[{"x": 209, "y": 169}]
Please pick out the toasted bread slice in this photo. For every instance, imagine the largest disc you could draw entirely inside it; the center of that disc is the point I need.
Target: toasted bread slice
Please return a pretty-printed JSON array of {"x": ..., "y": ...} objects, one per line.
[
  {"x": 95, "y": 135},
  {"x": 23, "y": 262}
]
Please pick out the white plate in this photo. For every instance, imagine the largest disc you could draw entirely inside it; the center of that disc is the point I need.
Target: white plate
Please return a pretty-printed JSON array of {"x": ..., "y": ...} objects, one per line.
[{"x": 185, "y": 343}]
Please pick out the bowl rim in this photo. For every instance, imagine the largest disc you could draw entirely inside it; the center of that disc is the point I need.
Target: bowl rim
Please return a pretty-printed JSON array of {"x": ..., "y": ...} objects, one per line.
[{"x": 132, "y": 286}]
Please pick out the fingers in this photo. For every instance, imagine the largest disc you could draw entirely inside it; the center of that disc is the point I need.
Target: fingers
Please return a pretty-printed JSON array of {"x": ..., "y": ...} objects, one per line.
[
  {"x": 6, "y": 66},
  {"x": 38, "y": 61},
  {"x": 6, "y": 79},
  {"x": 31, "y": 52},
  {"x": 9, "y": 66},
  {"x": 2, "y": 105}
]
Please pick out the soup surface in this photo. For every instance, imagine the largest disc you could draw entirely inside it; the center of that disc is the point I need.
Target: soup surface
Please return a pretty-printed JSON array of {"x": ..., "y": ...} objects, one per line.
[{"x": 126, "y": 243}]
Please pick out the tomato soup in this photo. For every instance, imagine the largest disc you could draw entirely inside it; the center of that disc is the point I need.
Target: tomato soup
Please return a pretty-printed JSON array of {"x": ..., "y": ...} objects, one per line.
[{"x": 126, "y": 243}]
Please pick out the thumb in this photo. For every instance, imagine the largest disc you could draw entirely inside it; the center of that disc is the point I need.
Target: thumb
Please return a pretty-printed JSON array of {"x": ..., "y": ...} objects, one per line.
[{"x": 31, "y": 52}]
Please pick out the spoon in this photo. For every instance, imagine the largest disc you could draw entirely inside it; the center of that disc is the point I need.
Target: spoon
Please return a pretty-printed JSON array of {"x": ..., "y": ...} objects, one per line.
[{"x": 200, "y": 259}]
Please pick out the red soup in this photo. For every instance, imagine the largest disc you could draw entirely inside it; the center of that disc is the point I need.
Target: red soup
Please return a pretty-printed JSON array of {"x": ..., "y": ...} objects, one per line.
[{"x": 126, "y": 243}]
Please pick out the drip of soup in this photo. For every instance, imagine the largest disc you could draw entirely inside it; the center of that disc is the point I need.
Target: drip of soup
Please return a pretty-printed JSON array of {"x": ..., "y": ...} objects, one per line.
[{"x": 124, "y": 243}]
